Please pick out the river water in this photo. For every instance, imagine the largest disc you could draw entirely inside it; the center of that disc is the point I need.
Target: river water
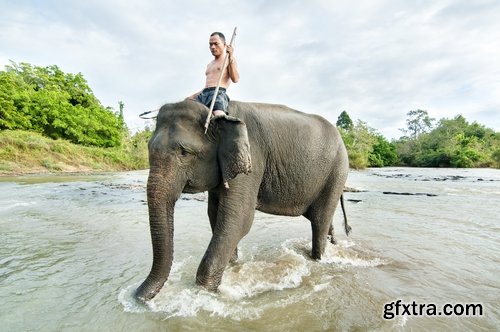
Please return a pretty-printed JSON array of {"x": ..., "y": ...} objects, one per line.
[{"x": 74, "y": 248}]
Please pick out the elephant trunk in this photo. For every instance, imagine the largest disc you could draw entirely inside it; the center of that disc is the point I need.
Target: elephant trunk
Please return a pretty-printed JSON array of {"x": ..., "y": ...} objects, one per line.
[{"x": 162, "y": 196}]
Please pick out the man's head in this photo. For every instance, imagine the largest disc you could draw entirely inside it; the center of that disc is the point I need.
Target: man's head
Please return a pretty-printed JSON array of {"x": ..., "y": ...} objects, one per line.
[{"x": 217, "y": 42}]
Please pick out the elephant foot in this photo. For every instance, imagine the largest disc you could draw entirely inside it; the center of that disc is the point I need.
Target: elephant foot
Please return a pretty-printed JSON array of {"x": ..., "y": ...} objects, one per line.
[
  {"x": 317, "y": 252},
  {"x": 332, "y": 239},
  {"x": 147, "y": 291},
  {"x": 315, "y": 257},
  {"x": 209, "y": 278},
  {"x": 207, "y": 283}
]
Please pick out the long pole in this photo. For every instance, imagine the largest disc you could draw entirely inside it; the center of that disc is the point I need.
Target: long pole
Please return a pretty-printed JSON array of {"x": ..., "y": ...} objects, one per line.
[{"x": 207, "y": 122}]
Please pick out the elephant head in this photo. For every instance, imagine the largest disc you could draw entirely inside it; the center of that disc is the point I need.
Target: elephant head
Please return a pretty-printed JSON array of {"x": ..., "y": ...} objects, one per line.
[{"x": 183, "y": 159}]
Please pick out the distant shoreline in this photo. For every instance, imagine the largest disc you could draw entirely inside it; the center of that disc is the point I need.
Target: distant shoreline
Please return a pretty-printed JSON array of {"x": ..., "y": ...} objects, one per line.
[
  {"x": 26, "y": 153},
  {"x": 43, "y": 173}
]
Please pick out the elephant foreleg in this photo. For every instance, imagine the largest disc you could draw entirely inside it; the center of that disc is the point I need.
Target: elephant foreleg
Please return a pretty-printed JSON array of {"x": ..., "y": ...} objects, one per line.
[
  {"x": 215, "y": 260},
  {"x": 213, "y": 209},
  {"x": 231, "y": 220}
]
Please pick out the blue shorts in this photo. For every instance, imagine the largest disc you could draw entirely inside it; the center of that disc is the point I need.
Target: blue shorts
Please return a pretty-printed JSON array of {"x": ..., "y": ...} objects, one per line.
[{"x": 221, "y": 102}]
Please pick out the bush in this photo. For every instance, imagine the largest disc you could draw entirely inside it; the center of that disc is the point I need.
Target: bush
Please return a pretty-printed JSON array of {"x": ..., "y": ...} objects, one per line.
[{"x": 57, "y": 105}]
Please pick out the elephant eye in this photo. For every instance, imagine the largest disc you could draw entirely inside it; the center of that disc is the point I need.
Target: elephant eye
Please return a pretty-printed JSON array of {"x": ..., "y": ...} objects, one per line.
[{"x": 184, "y": 151}]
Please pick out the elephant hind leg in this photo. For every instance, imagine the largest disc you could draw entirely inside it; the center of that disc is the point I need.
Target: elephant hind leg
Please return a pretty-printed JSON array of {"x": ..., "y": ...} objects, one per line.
[
  {"x": 320, "y": 228},
  {"x": 320, "y": 213}
]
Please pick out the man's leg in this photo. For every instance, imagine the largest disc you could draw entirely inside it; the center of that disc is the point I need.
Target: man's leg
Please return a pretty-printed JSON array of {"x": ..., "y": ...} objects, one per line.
[{"x": 220, "y": 105}]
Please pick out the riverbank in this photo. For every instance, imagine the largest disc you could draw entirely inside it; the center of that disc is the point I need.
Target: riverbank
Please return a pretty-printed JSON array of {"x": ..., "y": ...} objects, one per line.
[{"x": 24, "y": 152}]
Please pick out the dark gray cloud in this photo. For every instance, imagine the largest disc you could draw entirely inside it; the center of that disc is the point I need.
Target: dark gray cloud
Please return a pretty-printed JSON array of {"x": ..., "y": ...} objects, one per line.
[{"x": 375, "y": 59}]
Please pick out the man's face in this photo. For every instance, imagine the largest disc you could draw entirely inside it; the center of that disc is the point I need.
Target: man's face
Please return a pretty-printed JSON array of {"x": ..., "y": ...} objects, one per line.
[{"x": 216, "y": 45}]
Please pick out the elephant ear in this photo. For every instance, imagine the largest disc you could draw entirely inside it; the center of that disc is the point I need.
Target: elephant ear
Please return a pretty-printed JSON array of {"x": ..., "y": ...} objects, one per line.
[{"x": 233, "y": 150}]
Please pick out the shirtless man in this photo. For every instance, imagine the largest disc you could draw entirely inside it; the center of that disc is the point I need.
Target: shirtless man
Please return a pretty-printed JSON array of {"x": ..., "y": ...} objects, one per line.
[{"x": 218, "y": 47}]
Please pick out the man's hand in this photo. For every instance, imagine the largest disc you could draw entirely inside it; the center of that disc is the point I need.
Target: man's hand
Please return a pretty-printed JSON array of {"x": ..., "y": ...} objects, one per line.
[{"x": 229, "y": 50}]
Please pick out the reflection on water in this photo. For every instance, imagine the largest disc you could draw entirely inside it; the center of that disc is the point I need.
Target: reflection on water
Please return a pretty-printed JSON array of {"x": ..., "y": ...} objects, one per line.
[{"x": 74, "y": 249}]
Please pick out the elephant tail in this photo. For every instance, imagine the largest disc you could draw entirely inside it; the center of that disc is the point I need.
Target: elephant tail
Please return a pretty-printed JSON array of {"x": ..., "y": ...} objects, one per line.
[{"x": 347, "y": 228}]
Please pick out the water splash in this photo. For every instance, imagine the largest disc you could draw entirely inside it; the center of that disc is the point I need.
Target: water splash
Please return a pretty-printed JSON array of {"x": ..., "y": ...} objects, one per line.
[
  {"x": 277, "y": 273},
  {"x": 344, "y": 253},
  {"x": 14, "y": 204},
  {"x": 244, "y": 283},
  {"x": 188, "y": 302}
]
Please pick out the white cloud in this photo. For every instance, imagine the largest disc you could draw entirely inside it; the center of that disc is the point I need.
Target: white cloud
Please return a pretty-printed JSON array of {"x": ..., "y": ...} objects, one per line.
[{"x": 375, "y": 59}]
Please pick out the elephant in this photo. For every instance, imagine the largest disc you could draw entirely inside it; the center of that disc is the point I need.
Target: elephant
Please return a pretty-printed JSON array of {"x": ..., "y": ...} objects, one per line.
[{"x": 264, "y": 157}]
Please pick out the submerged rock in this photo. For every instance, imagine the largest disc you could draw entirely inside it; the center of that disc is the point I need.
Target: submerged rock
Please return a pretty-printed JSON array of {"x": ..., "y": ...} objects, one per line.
[
  {"x": 354, "y": 200},
  {"x": 353, "y": 190},
  {"x": 408, "y": 194}
]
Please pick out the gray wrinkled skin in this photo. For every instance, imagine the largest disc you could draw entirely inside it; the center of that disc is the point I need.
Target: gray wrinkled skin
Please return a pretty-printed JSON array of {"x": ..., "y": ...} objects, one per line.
[{"x": 273, "y": 159}]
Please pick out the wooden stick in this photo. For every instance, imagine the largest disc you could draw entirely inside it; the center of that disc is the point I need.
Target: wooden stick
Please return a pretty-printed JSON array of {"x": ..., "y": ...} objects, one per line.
[{"x": 207, "y": 122}]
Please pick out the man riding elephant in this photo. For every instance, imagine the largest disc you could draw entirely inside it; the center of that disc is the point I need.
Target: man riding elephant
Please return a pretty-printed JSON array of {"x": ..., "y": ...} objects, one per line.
[
  {"x": 218, "y": 48},
  {"x": 275, "y": 159}
]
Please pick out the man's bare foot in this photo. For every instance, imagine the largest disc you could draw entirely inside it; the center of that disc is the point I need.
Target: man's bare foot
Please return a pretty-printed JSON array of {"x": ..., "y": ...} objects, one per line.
[{"x": 218, "y": 112}]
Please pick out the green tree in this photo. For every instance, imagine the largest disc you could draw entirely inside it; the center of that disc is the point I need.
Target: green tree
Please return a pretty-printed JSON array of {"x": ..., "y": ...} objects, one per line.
[
  {"x": 383, "y": 153},
  {"x": 344, "y": 121},
  {"x": 121, "y": 105},
  {"x": 359, "y": 144},
  {"x": 409, "y": 147},
  {"x": 14, "y": 102},
  {"x": 495, "y": 155},
  {"x": 57, "y": 105},
  {"x": 137, "y": 146},
  {"x": 452, "y": 143},
  {"x": 417, "y": 123}
]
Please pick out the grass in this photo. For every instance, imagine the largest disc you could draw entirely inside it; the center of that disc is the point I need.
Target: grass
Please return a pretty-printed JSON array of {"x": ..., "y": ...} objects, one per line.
[{"x": 23, "y": 152}]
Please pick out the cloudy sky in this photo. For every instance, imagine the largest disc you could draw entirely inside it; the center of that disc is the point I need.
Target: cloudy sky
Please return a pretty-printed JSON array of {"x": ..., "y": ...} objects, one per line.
[{"x": 376, "y": 59}]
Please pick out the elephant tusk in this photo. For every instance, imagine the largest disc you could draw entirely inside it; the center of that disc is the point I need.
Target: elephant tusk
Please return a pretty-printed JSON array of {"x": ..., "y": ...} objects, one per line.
[{"x": 226, "y": 185}]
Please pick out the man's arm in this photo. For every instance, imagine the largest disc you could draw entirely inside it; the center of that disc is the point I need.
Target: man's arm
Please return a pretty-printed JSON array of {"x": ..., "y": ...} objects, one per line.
[{"x": 232, "y": 67}]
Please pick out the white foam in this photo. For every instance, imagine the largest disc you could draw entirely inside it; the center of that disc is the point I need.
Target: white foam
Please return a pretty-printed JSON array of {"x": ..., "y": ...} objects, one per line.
[
  {"x": 14, "y": 204},
  {"x": 401, "y": 321},
  {"x": 189, "y": 302},
  {"x": 252, "y": 278},
  {"x": 243, "y": 283},
  {"x": 343, "y": 253},
  {"x": 126, "y": 298},
  {"x": 180, "y": 299},
  {"x": 186, "y": 302},
  {"x": 321, "y": 287},
  {"x": 338, "y": 255}
]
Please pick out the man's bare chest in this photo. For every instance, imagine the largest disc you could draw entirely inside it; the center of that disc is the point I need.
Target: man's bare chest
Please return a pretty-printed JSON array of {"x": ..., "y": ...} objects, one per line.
[{"x": 213, "y": 68}]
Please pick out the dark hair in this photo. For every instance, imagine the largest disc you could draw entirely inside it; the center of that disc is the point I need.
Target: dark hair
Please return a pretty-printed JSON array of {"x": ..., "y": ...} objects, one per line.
[{"x": 220, "y": 34}]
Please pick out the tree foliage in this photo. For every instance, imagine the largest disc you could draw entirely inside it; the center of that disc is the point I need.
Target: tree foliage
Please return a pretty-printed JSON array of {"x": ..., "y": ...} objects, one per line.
[
  {"x": 62, "y": 106},
  {"x": 56, "y": 104},
  {"x": 452, "y": 143},
  {"x": 383, "y": 154},
  {"x": 417, "y": 123},
  {"x": 365, "y": 147},
  {"x": 344, "y": 121}
]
